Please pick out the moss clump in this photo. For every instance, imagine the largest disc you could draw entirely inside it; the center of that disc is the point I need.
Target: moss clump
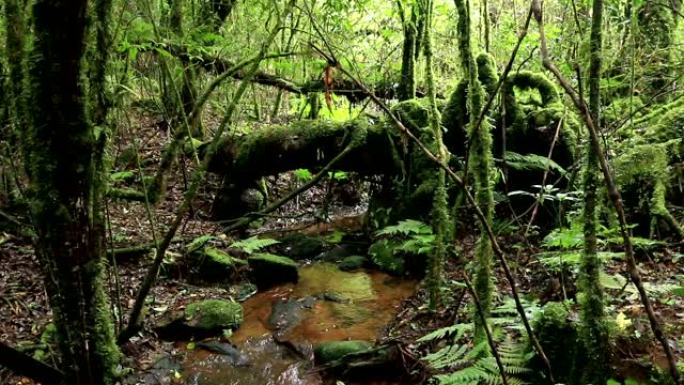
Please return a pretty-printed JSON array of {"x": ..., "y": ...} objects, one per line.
[
  {"x": 645, "y": 173},
  {"x": 455, "y": 116},
  {"x": 531, "y": 83},
  {"x": 269, "y": 269},
  {"x": 352, "y": 262},
  {"x": 216, "y": 265},
  {"x": 331, "y": 351},
  {"x": 213, "y": 315},
  {"x": 558, "y": 337},
  {"x": 412, "y": 113}
]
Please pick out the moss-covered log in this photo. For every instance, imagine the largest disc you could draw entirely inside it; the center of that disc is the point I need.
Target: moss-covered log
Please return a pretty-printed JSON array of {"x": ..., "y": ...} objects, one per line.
[{"x": 304, "y": 144}]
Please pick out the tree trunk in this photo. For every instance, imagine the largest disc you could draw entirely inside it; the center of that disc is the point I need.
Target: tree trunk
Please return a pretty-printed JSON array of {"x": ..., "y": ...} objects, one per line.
[
  {"x": 67, "y": 186},
  {"x": 593, "y": 332}
]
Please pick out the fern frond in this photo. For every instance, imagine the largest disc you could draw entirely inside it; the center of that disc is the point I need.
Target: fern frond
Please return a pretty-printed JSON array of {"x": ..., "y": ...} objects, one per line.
[
  {"x": 455, "y": 331},
  {"x": 406, "y": 227},
  {"x": 465, "y": 376},
  {"x": 449, "y": 356},
  {"x": 531, "y": 162},
  {"x": 253, "y": 244}
]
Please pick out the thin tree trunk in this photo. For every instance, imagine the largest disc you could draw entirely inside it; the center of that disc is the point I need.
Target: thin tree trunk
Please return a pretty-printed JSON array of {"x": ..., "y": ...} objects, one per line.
[{"x": 594, "y": 333}]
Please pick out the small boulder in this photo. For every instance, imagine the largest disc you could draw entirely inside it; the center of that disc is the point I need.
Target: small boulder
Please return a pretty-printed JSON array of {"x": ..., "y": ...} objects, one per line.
[
  {"x": 330, "y": 351},
  {"x": 269, "y": 270},
  {"x": 214, "y": 315}
]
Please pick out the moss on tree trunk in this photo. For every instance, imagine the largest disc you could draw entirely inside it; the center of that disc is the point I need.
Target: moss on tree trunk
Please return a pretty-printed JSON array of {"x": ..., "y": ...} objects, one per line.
[{"x": 67, "y": 186}]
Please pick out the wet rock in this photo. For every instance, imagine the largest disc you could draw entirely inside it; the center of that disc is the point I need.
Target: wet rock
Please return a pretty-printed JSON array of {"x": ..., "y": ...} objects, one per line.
[
  {"x": 340, "y": 252},
  {"x": 269, "y": 270},
  {"x": 300, "y": 246},
  {"x": 200, "y": 319},
  {"x": 233, "y": 355},
  {"x": 333, "y": 297},
  {"x": 352, "y": 262},
  {"x": 287, "y": 314},
  {"x": 243, "y": 291},
  {"x": 163, "y": 372},
  {"x": 328, "y": 352}
]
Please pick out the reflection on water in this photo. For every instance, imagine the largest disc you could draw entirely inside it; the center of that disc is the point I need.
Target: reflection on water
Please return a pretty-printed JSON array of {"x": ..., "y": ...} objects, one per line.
[{"x": 325, "y": 305}]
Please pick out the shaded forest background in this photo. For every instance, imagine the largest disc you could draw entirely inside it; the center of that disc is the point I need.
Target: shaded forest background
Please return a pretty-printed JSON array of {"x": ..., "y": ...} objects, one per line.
[{"x": 519, "y": 158}]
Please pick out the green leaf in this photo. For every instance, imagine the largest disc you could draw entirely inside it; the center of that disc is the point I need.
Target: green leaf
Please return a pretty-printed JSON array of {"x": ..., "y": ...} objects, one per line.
[
  {"x": 678, "y": 291},
  {"x": 198, "y": 243}
]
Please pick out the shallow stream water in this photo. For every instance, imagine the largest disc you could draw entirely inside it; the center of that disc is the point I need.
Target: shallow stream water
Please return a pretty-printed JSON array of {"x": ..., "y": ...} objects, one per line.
[{"x": 325, "y": 305}]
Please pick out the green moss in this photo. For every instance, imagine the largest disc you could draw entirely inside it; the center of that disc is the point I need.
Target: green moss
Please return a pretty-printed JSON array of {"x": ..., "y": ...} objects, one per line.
[
  {"x": 322, "y": 278},
  {"x": 259, "y": 144},
  {"x": 328, "y": 352},
  {"x": 352, "y": 262},
  {"x": 656, "y": 27},
  {"x": 645, "y": 170},
  {"x": 455, "y": 115},
  {"x": 407, "y": 85},
  {"x": 558, "y": 336},
  {"x": 481, "y": 164},
  {"x": 412, "y": 113},
  {"x": 214, "y": 314},
  {"x": 487, "y": 72}
]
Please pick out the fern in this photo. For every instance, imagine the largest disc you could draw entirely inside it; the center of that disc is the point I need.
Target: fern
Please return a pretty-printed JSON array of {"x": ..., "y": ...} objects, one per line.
[
  {"x": 253, "y": 244},
  {"x": 406, "y": 227},
  {"x": 455, "y": 332},
  {"x": 473, "y": 367},
  {"x": 198, "y": 243},
  {"x": 531, "y": 162}
]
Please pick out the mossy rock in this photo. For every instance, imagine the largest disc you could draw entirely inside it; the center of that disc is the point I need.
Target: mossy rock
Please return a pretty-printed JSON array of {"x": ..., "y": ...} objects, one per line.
[
  {"x": 352, "y": 262},
  {"x": 300, "y": 246},
  {"x": 214, "y": 315},
  {"x": 269, "y": 270},
  {"x": 200, "y": 319},
  {"x": 328, "y": 352},
  {"x": 216, "y": 265}
]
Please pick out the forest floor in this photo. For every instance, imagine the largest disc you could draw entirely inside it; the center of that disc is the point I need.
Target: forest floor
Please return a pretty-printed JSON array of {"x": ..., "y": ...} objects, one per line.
[{"x": 24, "y": 311}]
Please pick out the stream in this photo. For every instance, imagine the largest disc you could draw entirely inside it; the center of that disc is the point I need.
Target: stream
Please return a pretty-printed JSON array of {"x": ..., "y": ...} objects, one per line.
[{"x": 282, "y": 324}]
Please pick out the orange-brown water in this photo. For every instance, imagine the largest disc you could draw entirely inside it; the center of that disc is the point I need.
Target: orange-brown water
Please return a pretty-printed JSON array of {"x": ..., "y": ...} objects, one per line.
[
  {"x": 369, "y": 301},
  {"x": 374, "y": 298}
]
